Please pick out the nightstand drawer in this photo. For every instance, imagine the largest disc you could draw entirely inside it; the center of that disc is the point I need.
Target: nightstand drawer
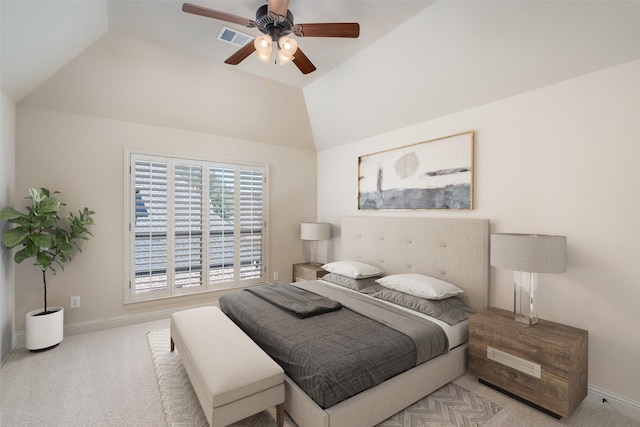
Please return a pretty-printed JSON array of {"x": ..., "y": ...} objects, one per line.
[
  {"x": 307, "y": 271},
  {"x": 545, "y": 364}
]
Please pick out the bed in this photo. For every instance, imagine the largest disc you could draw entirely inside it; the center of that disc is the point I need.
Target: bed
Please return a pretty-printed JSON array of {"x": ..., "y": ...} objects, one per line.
[{"x": 455, "y": 250}]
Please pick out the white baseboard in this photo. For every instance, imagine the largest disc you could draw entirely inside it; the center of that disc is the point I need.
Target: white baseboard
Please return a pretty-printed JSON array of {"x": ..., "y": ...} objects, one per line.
[
  {"x": 14, "y": 345},
  {"x": 114, "y": 322},
  {"x": 614, "y": 402}
]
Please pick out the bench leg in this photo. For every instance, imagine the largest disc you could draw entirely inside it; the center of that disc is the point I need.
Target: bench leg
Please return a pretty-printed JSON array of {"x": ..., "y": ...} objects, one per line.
[
  {"x": 280, "y": 415},
  {"x": 173, "y": 346}
]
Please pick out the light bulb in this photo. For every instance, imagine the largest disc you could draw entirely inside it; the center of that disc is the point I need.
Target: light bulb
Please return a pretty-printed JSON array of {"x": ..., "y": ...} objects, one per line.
[
  {"x": 264, "y": 46},
  {"x": 288, "y": 46}
]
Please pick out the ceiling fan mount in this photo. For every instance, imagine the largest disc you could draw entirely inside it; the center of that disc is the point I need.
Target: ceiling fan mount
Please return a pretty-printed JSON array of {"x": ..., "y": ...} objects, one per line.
[
  {"x": 273, "y": 24},
  {"x": 276, "y": 21}
]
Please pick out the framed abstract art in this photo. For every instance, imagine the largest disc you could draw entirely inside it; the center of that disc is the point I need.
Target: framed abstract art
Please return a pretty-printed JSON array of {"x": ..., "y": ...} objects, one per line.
[{"x": 434, "y": 174}]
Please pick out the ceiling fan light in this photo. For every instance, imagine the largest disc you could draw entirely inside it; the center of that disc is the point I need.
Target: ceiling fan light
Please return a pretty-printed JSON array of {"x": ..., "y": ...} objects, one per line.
[
  {"x": 263, "y": 45},
  {"x": 288, "y": 46},
  {"x": 283, "y": 59},
  {"x": 264, "y": 58}
]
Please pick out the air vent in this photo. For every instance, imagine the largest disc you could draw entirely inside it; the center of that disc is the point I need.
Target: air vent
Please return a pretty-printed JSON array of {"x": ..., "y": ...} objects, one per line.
[{"x": 232, "y": 36}]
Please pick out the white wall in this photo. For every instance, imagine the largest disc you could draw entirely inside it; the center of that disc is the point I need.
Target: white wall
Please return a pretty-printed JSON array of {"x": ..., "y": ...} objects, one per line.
[
  {"x": 82, "y": 157},
  {"x": 7, "y": 169},
  {"x": 559, "y": 160}
]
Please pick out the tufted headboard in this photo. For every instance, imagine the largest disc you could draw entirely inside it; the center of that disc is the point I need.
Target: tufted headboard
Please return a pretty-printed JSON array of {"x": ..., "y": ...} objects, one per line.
[{"x": 455, "y": 250}]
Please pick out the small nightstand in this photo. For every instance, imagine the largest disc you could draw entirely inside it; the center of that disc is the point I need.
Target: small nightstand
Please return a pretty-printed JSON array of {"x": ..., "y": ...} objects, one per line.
[
  {"x": 307, "y": 271},
  {"x": 544, "y": 365}
]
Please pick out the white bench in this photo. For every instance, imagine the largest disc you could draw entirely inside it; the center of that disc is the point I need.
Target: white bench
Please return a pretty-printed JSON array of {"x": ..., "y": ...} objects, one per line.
[{"x": 232, "y": 377}]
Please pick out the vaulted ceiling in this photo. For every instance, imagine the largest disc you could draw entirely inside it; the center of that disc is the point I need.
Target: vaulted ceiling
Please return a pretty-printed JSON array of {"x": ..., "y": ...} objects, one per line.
[{"x": 148, "y": 62}]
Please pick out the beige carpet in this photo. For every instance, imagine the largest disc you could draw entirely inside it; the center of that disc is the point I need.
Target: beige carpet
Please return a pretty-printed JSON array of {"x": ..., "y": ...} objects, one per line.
[{"x": 451, "y": 405}]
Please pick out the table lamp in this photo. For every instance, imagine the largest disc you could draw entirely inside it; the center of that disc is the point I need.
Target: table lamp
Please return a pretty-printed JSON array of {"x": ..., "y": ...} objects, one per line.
[
  {"x": 527, "y": 255},
  {"x": 315, "y": 231}
]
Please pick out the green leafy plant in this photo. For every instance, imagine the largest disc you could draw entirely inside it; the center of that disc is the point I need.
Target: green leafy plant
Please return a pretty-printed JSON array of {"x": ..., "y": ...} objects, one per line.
[{"x": 43, "y": 235}]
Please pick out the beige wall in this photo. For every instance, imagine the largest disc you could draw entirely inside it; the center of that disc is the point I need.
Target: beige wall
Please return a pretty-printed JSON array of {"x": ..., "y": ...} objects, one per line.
[
  {"x": 126, "y": 78},
  {"x": 83, "y": 157},
  {"x": 7, "y": 290},
  {"x": 558, "y": 160}
]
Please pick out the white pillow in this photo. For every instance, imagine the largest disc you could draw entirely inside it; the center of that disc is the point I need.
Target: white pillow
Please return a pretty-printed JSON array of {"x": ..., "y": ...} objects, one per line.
[
  {"x": 353, "y": 269},
  {"x": 420, "y": 285}
]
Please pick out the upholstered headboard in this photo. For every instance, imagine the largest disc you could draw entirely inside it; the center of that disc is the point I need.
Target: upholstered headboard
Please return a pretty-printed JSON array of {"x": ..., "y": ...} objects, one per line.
[{"x": 455, "y": 250}]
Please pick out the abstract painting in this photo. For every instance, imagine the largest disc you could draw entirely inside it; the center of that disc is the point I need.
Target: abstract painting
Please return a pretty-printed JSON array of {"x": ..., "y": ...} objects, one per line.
[{"x": 434, "y": 174}]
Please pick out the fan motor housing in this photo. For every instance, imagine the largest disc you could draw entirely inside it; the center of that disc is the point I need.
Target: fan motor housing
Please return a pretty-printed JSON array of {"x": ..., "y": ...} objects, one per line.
[{"x": 272, "y": 24}]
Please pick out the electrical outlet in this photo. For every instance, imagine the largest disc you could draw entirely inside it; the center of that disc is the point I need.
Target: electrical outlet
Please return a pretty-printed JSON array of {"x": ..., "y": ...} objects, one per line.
[
  {"x": 276, "y": 275},
  {"x": 75, "y": 302}
]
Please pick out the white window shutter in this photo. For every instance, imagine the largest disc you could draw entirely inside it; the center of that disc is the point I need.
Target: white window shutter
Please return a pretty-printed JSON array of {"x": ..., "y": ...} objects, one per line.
[
  {"x": 222, "y": 224},
  {"x": 195, "y": 226},
  {"x": 251, "y": 223},
  {"x": 188, "y": 225},
  {"x": 150, "y": 226}
]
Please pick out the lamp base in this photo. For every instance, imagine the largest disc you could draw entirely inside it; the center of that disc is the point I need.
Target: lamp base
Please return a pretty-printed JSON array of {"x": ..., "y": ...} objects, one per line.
[
  {"x": 525, "y": 294},
  {"x": 314, "y": 262}
]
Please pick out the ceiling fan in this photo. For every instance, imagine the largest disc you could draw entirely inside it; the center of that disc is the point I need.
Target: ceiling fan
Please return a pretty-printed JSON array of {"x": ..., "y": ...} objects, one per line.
[{"x": 275, "y": 21}]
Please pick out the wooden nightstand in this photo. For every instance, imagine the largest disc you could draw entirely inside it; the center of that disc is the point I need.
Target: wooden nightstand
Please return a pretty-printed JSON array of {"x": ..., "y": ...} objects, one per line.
[
  {"x": 544, "y": 365},
  {"x": 307, "y": 271}
]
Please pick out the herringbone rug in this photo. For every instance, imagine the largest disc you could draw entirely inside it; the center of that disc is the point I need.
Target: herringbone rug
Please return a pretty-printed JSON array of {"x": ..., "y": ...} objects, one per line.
[{"x": 449, "y": 406}]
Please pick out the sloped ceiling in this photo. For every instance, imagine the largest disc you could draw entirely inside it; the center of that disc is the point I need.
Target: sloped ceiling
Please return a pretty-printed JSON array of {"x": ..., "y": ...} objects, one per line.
[
  {"x": 125, "y": 78},
  {"x": 147, "y": 62},
  {"x": 457, "y": 55},
  {"x": 39, "y": 37}
]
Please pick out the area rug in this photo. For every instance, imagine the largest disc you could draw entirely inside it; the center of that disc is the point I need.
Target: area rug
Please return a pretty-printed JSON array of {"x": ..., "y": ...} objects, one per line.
[{"x": 451, "y": 405}]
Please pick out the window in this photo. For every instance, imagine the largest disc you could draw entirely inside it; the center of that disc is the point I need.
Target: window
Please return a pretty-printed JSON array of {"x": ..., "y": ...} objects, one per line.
[{"x": 194, "y": 226}]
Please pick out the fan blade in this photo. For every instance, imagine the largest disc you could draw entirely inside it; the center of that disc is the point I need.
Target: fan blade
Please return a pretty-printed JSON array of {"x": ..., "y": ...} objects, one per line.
[
  {"x": 215, "y": 14},
  {"x": 279, "y": 7},
  {"x": 302, "y": 62},
  {"x": 241, "y": 54},
  {"x": 337, "y": 29}
]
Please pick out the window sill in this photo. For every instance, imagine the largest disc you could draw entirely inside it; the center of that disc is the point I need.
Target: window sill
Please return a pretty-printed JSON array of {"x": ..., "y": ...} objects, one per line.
[{"x": 197, "y": 298}]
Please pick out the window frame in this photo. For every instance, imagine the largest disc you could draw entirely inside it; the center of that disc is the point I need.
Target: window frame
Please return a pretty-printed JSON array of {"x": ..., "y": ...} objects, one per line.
[{"x": 171, "y": 291}]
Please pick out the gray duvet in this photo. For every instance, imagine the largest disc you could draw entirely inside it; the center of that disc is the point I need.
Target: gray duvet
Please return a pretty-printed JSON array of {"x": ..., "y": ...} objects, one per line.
[{"x": 335, "y": 355}]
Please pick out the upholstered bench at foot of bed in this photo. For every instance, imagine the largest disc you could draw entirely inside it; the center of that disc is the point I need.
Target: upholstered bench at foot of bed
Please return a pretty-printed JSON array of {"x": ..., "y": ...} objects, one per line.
[{"x": 232, "y": 376}]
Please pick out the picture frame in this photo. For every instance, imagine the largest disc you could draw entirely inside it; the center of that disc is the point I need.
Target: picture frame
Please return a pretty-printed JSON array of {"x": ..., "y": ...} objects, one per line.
[{"x": 433, "y": 174}]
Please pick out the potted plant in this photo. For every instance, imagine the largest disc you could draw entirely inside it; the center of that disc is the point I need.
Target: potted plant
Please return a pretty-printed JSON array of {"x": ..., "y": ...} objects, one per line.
[{"x": 51, "y": 242}]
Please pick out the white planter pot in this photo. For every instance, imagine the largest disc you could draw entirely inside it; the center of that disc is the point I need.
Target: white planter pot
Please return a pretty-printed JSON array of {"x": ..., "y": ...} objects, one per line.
[{"x": 45, "y": 331}]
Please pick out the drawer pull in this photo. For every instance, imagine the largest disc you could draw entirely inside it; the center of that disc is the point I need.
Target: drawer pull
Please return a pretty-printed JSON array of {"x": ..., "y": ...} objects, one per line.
[{"x": 514, "y": 362}]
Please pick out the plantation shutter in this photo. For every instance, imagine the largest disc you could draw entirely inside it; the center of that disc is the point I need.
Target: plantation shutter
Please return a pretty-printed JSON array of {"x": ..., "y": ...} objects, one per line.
[
  {"x": 150, "y": 226},
  {"x": 222, "y": 223},
  {"x": 251, "y": 222},
  {"x": 195, "y": 226},
  {"x": 188, "y": 225}
]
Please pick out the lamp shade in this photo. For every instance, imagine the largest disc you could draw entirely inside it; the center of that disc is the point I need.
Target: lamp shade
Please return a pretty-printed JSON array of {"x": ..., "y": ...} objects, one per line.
[
  {"x": 533, "y": 253},
  {"x": 315, "y": 231},
  {"x": 288, "y": 46},
  {"x": 283, "y": 59},
  {"x": 264, "y": 47}
]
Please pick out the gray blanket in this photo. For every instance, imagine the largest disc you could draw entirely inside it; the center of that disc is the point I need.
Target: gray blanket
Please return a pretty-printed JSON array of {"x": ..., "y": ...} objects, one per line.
[
  {"x": 331, "y": 356},
  {"x": 300, "y": 304},
  {"x": 429, "y": 338}
]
